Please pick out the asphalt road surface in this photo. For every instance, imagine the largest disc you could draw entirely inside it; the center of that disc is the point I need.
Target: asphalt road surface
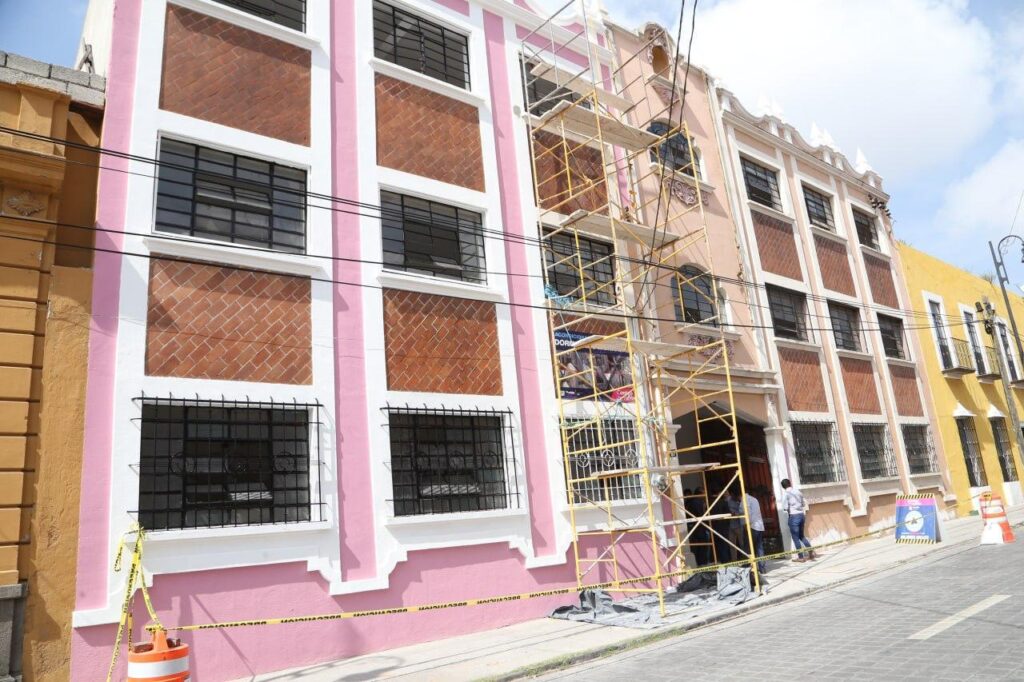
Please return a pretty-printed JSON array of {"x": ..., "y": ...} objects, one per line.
[{"x": 956, "y": 617}]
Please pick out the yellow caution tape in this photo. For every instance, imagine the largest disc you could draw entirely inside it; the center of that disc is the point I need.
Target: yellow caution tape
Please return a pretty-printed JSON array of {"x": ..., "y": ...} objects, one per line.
[{"x": 135, "y": 575}]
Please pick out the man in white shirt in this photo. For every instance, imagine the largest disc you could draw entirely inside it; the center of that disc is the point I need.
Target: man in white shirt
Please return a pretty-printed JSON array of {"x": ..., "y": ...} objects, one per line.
[
  {"x": 756, "y": 528},
  {"x": 796, "y": 508}
]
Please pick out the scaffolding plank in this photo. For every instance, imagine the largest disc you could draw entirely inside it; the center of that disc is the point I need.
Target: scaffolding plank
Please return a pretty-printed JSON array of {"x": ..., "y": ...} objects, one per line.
[
  {"x": 594, "y": 125},
  {"x": 608, "y": 227},
  {"x": 578, "y": 84},
  {"x": 657, "y": 348}
]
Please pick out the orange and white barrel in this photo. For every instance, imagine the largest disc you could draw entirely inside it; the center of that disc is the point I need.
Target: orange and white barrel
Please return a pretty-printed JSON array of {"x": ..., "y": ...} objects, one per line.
[{"x": 161, "y": 660}]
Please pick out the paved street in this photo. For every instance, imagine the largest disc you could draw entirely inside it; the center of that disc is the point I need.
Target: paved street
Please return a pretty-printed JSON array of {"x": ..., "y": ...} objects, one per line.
[{"x": 903, "y": 624}]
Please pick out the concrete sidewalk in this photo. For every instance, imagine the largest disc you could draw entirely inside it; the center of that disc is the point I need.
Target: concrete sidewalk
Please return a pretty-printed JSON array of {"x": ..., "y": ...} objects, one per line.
[{"x": 545, "y": 644}]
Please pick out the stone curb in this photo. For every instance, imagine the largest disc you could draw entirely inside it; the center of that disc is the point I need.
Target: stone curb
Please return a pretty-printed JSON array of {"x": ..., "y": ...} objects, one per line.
[{"x": 568, "y": 660}]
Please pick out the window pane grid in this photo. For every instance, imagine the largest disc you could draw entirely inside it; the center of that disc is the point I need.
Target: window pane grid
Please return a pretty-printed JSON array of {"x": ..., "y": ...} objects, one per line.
[
  {"x": 819, "y": 208},
  {"x": 891, "y": 331},
  {"x": 867, "y": 233},
  {"x": 423, "y": 46},
  {"x": 598, "y": 268},
  {"x": 290, "y": 13},
  {"x": 675, "y": 152},
  {"x": 789, "y": 313},
  {"x": 818, "y": 457},
  {"x": 972, "y": 453},
  {"x": 874, "y": 451},
  {"x": 695, "y": 297},
  {"x": 216, "y": 195},
  {"x": 920, "y": 451},
  {"x": 845, "y": 326},
  {"x": 762, "y": 184},
  {"x": 216, "y": 463},
  {"x": 606, "y": 445},
  {"x": 1003, "y": 449},
  {"x": 541, "y": 95}
]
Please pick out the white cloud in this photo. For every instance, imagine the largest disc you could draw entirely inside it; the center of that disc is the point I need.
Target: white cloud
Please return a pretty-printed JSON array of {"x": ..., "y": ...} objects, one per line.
[{"x": 981, "y": 206}]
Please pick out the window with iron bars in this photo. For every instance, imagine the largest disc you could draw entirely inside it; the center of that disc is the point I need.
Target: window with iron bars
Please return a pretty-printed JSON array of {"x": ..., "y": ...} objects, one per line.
[
  {"x": 891, "y": 331},
  {"x": 819, "y": 209},
  {"x": 696, "y": 296},
  {"x": 675, "y": 152},
  {"x": 874, "y": 451},
  {"x": 445, "y": 461},
  {"x": 1004, "y": 449},
  {"x": 920, "y": 451},
  {"x": 1004, "y": 339},
  {"x": 207, "y": 193},
  {"x": 845, "y": 326},
  {"x": 789, "y": 313},
  {"x": 972, "y": 453},
  {"x": 818, "y": 456},
  {"x": 867, "y": 233},
  {"x": 972, "y": 338},
  {"x": 215, "y": 463},
  {"x": 762, "y": 184},
  {"x": 594, "y": 259},
  {"x": 290, "y": 13},
  {"x": 541, "y": 95},
  {"x": 428, "y": 237},
  {"x": 608, "y": 444},
  {"x": 420, "y": 45}
]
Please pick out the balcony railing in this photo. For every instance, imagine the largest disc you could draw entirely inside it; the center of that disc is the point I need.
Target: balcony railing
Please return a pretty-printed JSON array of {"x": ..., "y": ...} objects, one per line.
[
  {"x": 991, "y": 370},
  {"x": 956, "y": 356}
]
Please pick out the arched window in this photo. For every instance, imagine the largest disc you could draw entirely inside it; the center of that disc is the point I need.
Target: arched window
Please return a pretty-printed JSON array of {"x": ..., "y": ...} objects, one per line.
[
  {"x": 676, "y": 152},
  {"x": 696, "y": 296},
  {"x": 659, "y": 59}
]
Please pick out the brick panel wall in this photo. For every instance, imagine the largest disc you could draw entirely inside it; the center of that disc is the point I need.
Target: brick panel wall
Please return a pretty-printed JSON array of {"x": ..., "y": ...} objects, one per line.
[
  {"x": 861, "y": 393},
  {"x": 883, "y": 289},
  {"x": 834, "y": 265},
  {"x": 212, "y": 322},
  {"x": 424, "y": 133},
  {"x": 776, "y": 245},
  {"x": 223, "y": 73},
  {"x": 582, "y": 187},
  {"x": 801, "y": 379},
  {"x": 441, "y": 344},
  {"x": 904, "y": 386}
]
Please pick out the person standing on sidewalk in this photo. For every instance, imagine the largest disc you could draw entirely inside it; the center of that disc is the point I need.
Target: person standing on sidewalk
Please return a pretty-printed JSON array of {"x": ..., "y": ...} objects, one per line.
[
  {"x": 796, "y": 508},
  {"x": 756, "y": 528}
]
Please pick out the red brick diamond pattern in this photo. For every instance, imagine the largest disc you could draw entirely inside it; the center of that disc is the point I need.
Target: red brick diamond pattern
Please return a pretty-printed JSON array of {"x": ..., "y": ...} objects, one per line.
[
  {"x": 835, "y": 266},
  {"x": 427, "y": 134},
  {"x": 439, "y": 344},
  {"x": 226, "y": 74},
  {"x": 211, "y": 322},
  {"x": 776, "y": 245},
  {"x": 904, "y": 387},
  {"x": 801, "y": 378},
  {"x": 861, "y": 393},
  {"x": 883, "y": 289},
  {"x": 566, "y": 191}
]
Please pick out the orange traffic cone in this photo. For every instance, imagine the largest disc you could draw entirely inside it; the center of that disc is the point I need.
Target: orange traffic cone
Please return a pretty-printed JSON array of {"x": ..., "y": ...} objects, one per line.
[
  {"x": 162, "y": 660},
  {"x": 997, "y": 530}
]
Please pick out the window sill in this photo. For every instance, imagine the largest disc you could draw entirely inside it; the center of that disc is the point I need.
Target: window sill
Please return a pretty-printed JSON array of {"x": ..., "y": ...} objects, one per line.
[
  {"x": 932, "y": 479},
  {"x": 684, "y": 177},
  {"x": 826, "y": 233},
  {"x": 453, "y": 518},
  {"x": 420, "y": 80},
  {"x": 710, "y": 331},
  {"x": 437, "y": 286},
  {"x": 770, "y": 212},
  {"x": 901, "y": 362},
  {"x": 817, "y": 493},
  {"x": 869, "y": 251},
  {"x": 797, "y": 344},
  {"x": 853, "y": 354},
  {"x": 888, "y": 485},
  {"x": 220, "y": 253},
  {"x": 161, "y": 536},
  {"x": 251, "y": 22}
]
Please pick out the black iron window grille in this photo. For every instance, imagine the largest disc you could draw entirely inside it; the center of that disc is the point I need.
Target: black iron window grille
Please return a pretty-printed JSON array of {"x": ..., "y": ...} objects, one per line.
[
  {"x": 1003, "y": 449},
  {"x": 1004, "y": 340},
  {"x": 216, "y": 463},
  {"x": 819, "y": 208},
  {"x": 290, "y": 13},
  {"x": 445, "y": 461},
  {"x": 430, "y": 238},
  {"x": 541, "y": 95},
  {"x": 675, "y": 151},
  {"x": 874, "y": 450},
  {"x": 762, "y": 184},
  {"x": 597, "y": 446},
  {"x": 420, "y": 45},
  {"x": 972, "y": 453},
  {"x": 568, "y": 256},
  {"x": 891, "y": 331},
  {"x": 818, "y": 457},
  {"x": 867, "y": 232},
  {"x": 920, "y": 450},
  {"x": 789, "y": 313},
  {"x": 207, "y": 193},
  {"x": 696, "y": 296},
  {"x": 845, "y": 326},
  {"x": 976, "y": 348}
]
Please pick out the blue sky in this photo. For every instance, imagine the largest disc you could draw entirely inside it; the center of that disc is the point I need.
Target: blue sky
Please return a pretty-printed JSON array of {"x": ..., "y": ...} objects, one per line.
[{"x": 930, "y": 90}]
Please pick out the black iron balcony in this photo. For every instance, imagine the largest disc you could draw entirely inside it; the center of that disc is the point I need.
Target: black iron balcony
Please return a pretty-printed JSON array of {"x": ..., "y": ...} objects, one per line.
[
  {"x": 956, "y": 357},
  {"x": 991, "y": 370}
]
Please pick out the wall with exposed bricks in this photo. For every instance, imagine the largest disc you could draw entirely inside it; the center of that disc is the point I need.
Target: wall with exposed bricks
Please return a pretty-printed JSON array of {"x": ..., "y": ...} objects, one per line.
[
  {"x": 904, "y": 386},
  {"x": 568, "y": 180},
  {"x": 834, "y": 265},
  {"x": 861, "y": 392},
  {"x": 883, "y": 289},
  {"x": 776, "y": 245},
  {"x": 801, "y": 379}
]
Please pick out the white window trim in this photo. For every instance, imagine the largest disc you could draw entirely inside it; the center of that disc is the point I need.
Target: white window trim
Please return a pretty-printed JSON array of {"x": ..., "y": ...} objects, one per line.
[
  {"x": 979, "y": 333},
  {"x": 252, "y": 22},
  {"x": 930, "y": 298}
]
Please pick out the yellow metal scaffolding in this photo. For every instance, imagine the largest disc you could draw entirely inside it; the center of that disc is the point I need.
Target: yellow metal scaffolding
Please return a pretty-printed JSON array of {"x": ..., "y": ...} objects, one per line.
[{"x": 635, "y": 336}]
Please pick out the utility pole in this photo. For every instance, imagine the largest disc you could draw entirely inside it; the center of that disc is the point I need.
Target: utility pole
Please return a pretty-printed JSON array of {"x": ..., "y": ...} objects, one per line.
[
  {"x": 988, "y": 313},
  {"x": 997, "y": 259}
]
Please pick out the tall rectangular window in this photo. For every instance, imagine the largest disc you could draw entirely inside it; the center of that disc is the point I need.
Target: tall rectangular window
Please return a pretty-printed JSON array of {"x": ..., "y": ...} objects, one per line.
[
  {"x": 609, "y": 445},
  {"x": 845, "y": 326},
  {"x": 541, "y": 95},
  {"x": 431, "y": 238},
  {"x": 891, "y": 331},
  {"x": 874, "y": 451},
  {"x": 1003, "y": 449},
  {"x": 819, "y": 209},
  {"x": 867, "y": 233},
  {"x": 972, "y": 453},
  {"x": 447, "y": 461},
  {"x": 789, "y": 313},
  {"x": 420, "y": 45},
  {"x": 207, "y": 193},
  {"x": 972, "y": 337},
  {"x": 818, "y": 456},
  {"x": 290, "y": 13},
  {"x": 939, "y": 325},
  {"x": 1004, "y": 340},
  {"x": 920, "y": 453},
  {"x": 584, "y": 272},
  {"x": 762, "y": 184},
  {"x": 211, "y": 463}
]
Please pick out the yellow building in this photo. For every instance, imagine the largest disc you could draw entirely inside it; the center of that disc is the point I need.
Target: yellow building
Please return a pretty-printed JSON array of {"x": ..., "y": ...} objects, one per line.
[
  {"x": 49, "y": 116},
  {"x": 980, "y": 434}
]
